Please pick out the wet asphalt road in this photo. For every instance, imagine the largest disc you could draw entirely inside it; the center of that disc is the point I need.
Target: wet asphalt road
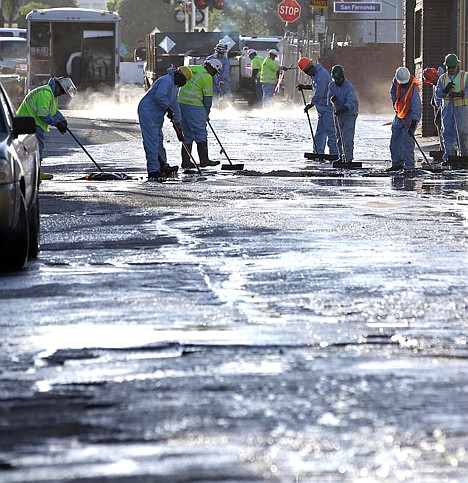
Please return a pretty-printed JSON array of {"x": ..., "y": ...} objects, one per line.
[{"x": 242, "y": 328}]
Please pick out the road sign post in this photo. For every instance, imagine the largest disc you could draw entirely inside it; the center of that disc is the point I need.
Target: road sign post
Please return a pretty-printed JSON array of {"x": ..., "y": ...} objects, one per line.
[{"x": 289, "y": 10}]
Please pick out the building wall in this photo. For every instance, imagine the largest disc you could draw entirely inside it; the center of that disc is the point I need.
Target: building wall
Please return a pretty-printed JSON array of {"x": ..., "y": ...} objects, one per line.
[
  {"x": 370, "y": 69},
  {"x": 430, "y": 34}
]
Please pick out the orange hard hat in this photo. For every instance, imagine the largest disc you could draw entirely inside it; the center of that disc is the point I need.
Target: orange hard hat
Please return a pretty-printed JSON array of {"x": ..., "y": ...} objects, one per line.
[
  {"x": 303, "y": 63},
  {"x": 430, "y": 75}
]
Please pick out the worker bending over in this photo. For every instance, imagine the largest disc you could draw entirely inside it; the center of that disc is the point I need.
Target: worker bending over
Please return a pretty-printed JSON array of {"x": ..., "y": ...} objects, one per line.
[
  {"x": 42, "y": 104},
  {"x": 158, "y": 100},
  {"x": 325, "y": 130}
]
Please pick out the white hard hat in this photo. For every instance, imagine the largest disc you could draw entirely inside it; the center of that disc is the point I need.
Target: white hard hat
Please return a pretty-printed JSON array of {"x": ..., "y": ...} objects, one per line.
[
  {"x": 251, "y": 51},
  {"x": 215, "y": 63},
  {"x": 273, "y": 51},
  {"x": 67, "y": 85},
  {"x": 402, "y": 75},
  {"x": 221, "y": 48}
]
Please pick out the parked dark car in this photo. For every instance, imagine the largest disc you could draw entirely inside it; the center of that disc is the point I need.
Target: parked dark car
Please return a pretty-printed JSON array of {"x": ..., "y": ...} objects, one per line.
[{"x": 19, "y": 188}]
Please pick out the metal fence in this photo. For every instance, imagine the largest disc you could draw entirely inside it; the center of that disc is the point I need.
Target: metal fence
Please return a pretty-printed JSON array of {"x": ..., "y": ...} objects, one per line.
[
  {"x": 359, "y": 32},
  {"x": 295, "y": 47}
]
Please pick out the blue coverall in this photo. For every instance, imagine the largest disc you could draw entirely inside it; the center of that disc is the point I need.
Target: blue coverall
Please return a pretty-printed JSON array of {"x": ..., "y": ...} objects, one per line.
[
  {"x": 151, "y": 110},
  {"x": 401, "y": 143},
  {"x": 454, "y": 118},
  {"x": 325, "y": 131},
  {"x": 345, "y": 97},
  {"x": 222, "y": 82}
]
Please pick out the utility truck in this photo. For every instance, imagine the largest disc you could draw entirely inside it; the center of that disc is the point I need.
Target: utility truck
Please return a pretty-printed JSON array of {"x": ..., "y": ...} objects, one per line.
[
  {"x": 80, "y": 43},
  {"x": 167, "y": 49}
]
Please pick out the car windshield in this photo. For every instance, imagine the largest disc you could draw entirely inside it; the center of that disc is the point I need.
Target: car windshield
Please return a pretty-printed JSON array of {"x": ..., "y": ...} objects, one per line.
[{"x": 13, "y": 49}]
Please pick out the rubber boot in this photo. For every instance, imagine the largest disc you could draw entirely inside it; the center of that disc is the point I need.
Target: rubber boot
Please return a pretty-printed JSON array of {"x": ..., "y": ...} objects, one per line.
[
  {"x": 186, "y": 161},
  {"x": 202, "y": 148},
  {"x": 45, "y": 176}
]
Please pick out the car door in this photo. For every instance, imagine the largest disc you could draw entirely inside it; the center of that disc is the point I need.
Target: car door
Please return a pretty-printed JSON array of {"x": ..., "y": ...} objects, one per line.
[{"x": 24, "y": 152}]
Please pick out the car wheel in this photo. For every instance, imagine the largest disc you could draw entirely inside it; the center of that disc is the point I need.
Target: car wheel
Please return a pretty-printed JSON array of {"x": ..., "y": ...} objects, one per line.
[
  {"x": 34, "y": 229},
  {"x": 14, "y": 244}
]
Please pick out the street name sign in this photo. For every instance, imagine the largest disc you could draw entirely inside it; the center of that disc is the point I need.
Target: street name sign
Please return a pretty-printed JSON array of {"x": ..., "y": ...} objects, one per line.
[{"x": 357, "y": 7}]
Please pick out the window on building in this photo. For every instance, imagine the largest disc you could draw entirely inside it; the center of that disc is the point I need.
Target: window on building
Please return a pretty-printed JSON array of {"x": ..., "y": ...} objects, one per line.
[{"x": 418, "y": 34}]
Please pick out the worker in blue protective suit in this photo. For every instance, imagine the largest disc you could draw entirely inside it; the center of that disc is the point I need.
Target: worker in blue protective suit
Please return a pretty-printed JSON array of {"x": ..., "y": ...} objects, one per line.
[
  {"x": 222, "y": 82},
  {"x": 342, "y": 97},
  {"x": 325, "y": 130},
  {"x": 160, "y": 99},
  {"x": 196, "y": 99},
  {"x": 42, "y": 104},
  {"x": 406, "y": 102},
  {"x": 431, "y": 76},
  {"x": 452, "y": 88}
]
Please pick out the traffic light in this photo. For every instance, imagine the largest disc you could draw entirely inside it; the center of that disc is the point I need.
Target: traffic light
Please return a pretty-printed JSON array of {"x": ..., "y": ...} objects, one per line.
[
  {"x": 202, "y": 4},
  {"x": 218, "y": 4}
]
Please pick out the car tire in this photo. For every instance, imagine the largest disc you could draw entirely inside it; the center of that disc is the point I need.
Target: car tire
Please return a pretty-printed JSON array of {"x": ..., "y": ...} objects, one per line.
[
  {"x": 34, "y": 229},
  {"x": 14, "y": 244}
]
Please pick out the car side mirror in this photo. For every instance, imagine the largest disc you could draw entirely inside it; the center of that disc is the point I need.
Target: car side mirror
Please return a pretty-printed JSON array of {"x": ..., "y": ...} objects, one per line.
[{"x": 23, "y": 125}]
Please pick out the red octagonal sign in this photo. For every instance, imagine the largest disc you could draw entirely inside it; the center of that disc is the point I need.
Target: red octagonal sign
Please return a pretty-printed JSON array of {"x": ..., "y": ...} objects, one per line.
[{"x": 289, "y": 10}]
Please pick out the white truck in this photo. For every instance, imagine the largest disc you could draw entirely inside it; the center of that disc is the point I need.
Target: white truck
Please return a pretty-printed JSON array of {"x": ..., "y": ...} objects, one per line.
[{"x": 81, "y": 43}]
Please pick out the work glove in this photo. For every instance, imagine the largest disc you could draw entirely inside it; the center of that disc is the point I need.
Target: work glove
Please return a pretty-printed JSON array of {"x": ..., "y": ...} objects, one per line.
[
  {"x": 333, "y": 99},
  {"x": 308, "y": 106},
  {"x": 170, "y": 114},
  {"x": 448, "y": 87},
  {"x": 178, "y": 130},
  {"x": 341, "y": 110},
  {"x": 412, "y": 128},
  {"x": 457, "y": 95},
  {"x": 303, "y": 87},
  {"x": 62, "y": 126}
]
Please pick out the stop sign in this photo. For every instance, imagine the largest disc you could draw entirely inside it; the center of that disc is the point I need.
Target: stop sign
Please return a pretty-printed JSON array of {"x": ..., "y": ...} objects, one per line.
[{"x": 289, "y": 10}]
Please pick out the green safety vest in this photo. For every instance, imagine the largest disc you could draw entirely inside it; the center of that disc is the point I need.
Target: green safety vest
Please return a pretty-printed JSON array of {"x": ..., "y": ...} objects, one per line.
[
  {"x": 459, "y": 85},
  {"x": 269, "y": 72},
  {"x": 38, "y": 103},
  {"x": 198, "y": 87},
  {"x": 257, "y": 62}
]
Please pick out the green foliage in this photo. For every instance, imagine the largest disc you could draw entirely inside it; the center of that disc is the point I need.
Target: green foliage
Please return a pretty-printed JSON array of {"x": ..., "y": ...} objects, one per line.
[
  {"x": 113, "y": 5},
  {"x": 249, "y": 17},
  {"x": 24, "y": 10}
]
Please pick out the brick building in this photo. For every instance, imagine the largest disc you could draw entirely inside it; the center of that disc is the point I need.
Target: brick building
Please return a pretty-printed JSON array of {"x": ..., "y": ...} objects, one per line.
[{"x": 432, "y": 29}]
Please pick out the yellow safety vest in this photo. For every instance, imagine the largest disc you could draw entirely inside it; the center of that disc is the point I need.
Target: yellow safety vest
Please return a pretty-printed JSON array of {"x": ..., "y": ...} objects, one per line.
[
  {"x": 39, "y": 103},
  {"x": 269, "y": 72},
  {"x": 459, "y": 85},
  {"x": 198, "y": 87}
]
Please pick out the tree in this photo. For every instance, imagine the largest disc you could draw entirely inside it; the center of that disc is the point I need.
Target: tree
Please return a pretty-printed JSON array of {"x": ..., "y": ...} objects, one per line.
[
  {"x": 113, "y": 5},
  {"x": 20, "y": 14},
  {"x": 23, "y": 11},
  {"x": 249, "y": 18},
  {"x": 140, "y": 17},
  {"x": 11, "y": 7}
]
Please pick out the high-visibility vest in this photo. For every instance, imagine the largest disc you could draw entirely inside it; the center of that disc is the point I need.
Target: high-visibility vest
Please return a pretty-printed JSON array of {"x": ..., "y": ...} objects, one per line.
[
  {"x": 39, "y": 103},
  {"x": 257, "y": 63},
  {"x": 459, "y": 85},
  {"x": 403, "y": 101},
  {"x": 198, "y": 87},
  {"x": 269, "y": 71}
]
